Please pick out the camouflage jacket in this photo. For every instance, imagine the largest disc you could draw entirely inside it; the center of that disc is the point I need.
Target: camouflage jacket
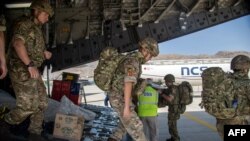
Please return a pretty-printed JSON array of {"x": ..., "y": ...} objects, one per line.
[
  {"x": 241, "y": 93},
  {"x": 129, "y": 70},
  {"x": 173, "y": 91},
  {"x": 26, "y": 30}
]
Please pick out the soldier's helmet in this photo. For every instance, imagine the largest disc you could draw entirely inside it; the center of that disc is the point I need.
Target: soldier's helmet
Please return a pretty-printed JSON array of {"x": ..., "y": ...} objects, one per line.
[
  {"x": 150, "y": 44},
  {"x": 42, "y": 5},
  {"x": 240, "y": 62},
  {"x": 169, "y": 78}
]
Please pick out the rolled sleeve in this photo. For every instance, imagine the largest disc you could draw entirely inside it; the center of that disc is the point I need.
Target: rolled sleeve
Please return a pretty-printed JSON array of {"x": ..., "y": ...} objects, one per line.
[
  {"x": 131, "y": 68},
  {"x": 21, "y": 31},
  {"x": 130, "y": 79}
]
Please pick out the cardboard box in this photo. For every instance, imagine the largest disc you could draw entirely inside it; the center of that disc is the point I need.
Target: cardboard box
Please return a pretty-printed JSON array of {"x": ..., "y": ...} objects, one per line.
[{"x": 68, "y": 127}]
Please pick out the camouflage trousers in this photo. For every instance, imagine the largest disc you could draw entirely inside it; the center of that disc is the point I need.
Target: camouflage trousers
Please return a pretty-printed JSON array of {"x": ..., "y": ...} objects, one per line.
[
  {"x": 172, "y": 125},
  {"x": 239, "y": 120},
  {"x": 133, "y": 126},
  {"x": 31, "y": 100}
]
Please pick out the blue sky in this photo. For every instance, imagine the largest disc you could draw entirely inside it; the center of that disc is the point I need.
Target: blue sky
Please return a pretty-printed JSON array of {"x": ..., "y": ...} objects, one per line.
[{"x": 230, "y": 36}]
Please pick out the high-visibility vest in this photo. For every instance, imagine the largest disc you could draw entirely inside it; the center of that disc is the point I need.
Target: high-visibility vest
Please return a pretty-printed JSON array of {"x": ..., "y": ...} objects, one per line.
[{"x": 148, "y": 102}]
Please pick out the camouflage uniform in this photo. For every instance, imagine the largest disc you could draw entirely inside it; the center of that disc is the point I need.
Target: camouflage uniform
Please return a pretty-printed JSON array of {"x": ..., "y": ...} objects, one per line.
[
  {"x": 240, "y": 119},
  {"x": 240, "y": 93},
  {"x": 128, "y": 71},
  {"x": 31, "y": 97},
  {"x": 174, "y": 111}
]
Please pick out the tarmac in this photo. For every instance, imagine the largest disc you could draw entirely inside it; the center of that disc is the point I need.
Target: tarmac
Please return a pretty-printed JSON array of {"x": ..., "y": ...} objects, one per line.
[{"x": 194, "y": 125}]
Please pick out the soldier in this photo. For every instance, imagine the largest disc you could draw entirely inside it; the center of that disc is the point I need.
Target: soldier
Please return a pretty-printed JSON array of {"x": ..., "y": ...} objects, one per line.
[
  {"x": 3, "y": 68},
  {"x": 240, "y": 65},
  {"x": 123, "y": 84},
  {"x": 26, "y": 54},
  {"x": 172, "y": 97}
]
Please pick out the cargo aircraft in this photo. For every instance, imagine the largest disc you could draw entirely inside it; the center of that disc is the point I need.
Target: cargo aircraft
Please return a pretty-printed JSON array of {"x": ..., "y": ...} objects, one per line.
[{"x": 80, "y": 29}]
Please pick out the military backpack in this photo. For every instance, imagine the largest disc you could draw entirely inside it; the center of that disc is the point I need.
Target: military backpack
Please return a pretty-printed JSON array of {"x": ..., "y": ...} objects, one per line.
[
  {"x": 186, "y": 93},
  {"x": 217, "y": 93},
  {"x": 107, "y": 65}
]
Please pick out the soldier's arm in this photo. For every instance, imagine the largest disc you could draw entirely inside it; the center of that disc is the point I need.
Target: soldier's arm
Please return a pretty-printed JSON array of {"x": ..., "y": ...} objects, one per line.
[
  {"x": 20, "y": 36},
  {"x": 166, "y": 94},
  {"x": 131, "y": 69},
  {"x": 2, "y": 56},
  {"x": 243, "y": 107},
  {"x": 127, "y": 98},
  {"x": 21, "y": 51},
  {"x": 168, "y": 98},
  {"x": 3, "y": 67}
]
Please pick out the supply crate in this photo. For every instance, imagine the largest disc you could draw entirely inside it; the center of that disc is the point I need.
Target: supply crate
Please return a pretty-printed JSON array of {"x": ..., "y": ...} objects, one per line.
[{"x": 60, "y": 88}]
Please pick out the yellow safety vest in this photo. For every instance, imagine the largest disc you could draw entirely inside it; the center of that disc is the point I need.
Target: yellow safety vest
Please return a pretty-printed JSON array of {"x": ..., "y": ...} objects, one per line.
[{"x": 148, "y": 102}]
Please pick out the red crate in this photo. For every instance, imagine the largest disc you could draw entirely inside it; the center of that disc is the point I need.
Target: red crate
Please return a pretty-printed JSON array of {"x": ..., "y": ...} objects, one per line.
[
  {"x": 66, "y": 88},
  {"x": 56, "y": 90},
  {"x": 60, "y": 88}
]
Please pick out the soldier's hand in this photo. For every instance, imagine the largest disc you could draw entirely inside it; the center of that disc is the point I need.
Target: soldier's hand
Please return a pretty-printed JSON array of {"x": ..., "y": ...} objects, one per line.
[
  {"x": 34, "y": 73},
  {"x": 47, "y": 54},
  {"x": 126, "y": 113}
]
